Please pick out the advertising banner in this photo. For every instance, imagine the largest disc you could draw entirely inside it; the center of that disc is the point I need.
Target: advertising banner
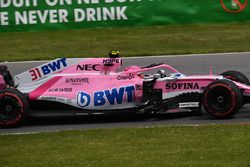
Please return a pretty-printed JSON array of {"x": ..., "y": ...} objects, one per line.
[{"x": 37, "y": 15}]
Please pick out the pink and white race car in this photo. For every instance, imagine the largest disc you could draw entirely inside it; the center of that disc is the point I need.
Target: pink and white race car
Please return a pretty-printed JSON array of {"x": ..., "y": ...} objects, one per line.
[{"x": 93, "y": 86}]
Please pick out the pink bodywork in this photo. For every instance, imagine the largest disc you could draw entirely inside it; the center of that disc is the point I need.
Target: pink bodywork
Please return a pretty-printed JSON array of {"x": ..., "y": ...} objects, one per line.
[
  {"x": 89, "y": 84},
  {"x": 65, "y": 85}
]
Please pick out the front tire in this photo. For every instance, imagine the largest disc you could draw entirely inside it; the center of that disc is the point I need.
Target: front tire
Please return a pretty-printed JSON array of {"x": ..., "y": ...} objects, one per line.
[
  {"x": 236, "y": 76},
  {"x": 222, "y": 99},
  {"x": 13, "y": 106}
]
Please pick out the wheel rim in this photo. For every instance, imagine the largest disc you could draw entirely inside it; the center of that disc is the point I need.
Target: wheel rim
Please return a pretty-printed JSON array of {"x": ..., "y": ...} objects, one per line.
[
  {"x": 10, "y": 108},
  {"x": 219, "y": 99}
]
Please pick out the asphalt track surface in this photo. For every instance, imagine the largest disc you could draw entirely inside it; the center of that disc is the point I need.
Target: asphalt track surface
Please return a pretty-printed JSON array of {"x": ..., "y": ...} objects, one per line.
[{"x": 187, "y": 64}]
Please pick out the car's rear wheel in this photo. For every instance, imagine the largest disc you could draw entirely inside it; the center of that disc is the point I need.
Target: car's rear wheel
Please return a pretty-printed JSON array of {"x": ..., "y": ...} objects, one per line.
[
  {"x": 222, "y": 99},
  {"x": 13, "y": 106}
]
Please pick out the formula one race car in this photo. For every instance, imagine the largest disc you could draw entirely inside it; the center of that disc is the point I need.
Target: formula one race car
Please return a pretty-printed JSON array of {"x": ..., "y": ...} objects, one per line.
[{"x": 93, "y": 86}]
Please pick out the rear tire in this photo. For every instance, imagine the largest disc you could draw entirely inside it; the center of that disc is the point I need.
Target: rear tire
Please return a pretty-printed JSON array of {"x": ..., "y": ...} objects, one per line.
[
  {"x": 222, "y": 99},
  {"x": 13, "y": 106}
]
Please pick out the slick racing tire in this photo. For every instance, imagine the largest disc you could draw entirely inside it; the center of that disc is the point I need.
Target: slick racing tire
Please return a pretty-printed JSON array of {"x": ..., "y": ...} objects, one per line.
[
  {"x": 13, "y": 106},
  {"x": 222, "y": 99},
  {"x": 236, "y": 76}
]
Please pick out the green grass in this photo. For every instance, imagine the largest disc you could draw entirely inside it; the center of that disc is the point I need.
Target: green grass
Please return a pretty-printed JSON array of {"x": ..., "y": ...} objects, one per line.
[
  {"x": 194, "y": 146},
  {"x": 143, "y": 41}
]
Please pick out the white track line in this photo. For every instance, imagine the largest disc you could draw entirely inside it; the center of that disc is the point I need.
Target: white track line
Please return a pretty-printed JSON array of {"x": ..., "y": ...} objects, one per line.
[
  {"x": 143, "y": 57},
  {"x": 20, "y": 62},
  {"x": 191, "y": 55}
]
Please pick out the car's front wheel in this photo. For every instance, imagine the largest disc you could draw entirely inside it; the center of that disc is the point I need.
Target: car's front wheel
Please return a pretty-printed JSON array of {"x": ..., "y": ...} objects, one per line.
[
  {"x": 236, "y": 76},
  {"x": 222, "y": 99}
]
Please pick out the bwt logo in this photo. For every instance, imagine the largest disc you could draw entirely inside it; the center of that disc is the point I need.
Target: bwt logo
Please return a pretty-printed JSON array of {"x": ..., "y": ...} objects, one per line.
[
  {"x": 83, "y": 99},
  {"x": 37, "y": 73},
  {"x": 234, "y": 6},
  {"x": 54, "y": 66},
  {"x": 100, "y": 98}
]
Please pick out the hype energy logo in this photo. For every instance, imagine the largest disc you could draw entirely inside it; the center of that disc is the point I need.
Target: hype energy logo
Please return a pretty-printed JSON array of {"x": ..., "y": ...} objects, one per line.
[{"x": 234, "y": 6}]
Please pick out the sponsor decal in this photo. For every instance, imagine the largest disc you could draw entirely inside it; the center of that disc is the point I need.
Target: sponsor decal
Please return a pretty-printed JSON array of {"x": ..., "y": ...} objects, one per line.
[
  {"x": 126, "y": 77},
  {"x": 100, "y": 98},
  {"x": 37, "y": 73},
  {"x": 88, "y": 67},
  {"x": 58, "y": 99},
  {"x": 60, "y": 90},
  {"x": 69, "y": 101},
  {"x": 111, "y": 61},
  {"x": 48, "y": 98},
  {"x": 172, "y": 85},
  {"x": 77, "y": 81},
  {"x": 236, "y": 6},
  {"x": 62, "y": 100},
  {"x": 83, "y": 99},
  {"x": 188, "y": 104}
]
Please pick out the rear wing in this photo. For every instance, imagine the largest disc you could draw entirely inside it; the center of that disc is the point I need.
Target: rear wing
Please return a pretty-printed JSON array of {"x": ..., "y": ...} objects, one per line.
[{"x": 45, "y": 70}]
